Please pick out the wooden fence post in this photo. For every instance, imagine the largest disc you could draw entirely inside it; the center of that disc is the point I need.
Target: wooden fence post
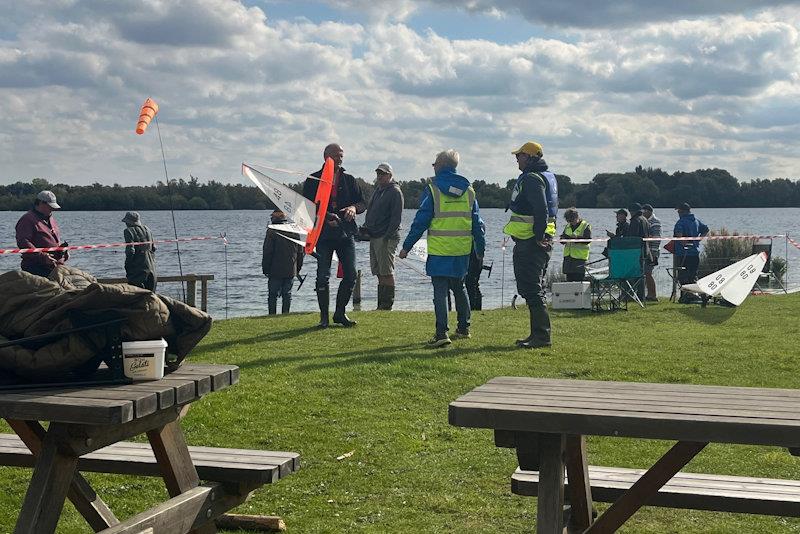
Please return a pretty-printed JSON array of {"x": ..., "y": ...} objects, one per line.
[{"x": 357, "y": 289}]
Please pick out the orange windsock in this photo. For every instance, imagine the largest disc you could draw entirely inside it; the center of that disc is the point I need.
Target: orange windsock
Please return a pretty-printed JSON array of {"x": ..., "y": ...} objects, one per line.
[{"x": 149, "y": 110}]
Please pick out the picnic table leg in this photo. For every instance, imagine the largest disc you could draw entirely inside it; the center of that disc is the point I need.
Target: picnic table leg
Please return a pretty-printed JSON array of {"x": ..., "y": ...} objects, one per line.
[
  {"x": 83, "y": 497},
  {"x": 48, "y": 488},
  {"x": 646, "y": 487},
  {"x": 172, "y": 453},
  {"x": 580, "y": 491},
  {"x": 550, "y": 501}
]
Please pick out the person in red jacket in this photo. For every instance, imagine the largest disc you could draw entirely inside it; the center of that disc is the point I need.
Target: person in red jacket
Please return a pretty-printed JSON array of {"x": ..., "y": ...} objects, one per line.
[{"x": 39, "y": 229}]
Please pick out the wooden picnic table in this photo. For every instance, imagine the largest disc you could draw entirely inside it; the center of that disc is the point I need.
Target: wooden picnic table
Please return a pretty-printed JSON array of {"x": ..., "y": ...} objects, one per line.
[
  {"x": 546, "y": 420},
  {"x": 83, "y": 420}
]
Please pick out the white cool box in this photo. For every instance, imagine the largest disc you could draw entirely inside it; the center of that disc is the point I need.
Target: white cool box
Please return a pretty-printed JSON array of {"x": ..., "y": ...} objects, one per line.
[
  {"x": 144, "y": 360},
  {"x": 572, "y": 296}
]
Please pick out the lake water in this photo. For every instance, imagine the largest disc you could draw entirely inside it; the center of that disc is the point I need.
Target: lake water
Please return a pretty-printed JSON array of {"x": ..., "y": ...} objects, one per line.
[{"x": 247, "y": 287}]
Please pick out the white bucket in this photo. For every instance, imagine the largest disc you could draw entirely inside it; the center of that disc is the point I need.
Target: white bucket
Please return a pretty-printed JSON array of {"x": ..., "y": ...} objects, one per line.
[{"x": 144, "y": 360}]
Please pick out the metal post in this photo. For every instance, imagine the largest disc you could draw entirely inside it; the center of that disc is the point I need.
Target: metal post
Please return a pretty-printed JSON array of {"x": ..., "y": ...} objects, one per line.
[
  {"x": 786, "y": 270},
  {"x": 357, "y": 289}
]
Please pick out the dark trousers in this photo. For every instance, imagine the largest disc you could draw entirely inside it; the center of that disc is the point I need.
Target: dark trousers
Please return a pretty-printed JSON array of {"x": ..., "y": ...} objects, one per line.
[
  {"x": 279, "y": 286},
  {"x": 472, "y": 282},
  {"x": 145, "y": 280},
  {"x": 690, "y": 264},
  {"x": 576, "y": 276},
  {"x": 345, "y": 249},
  {"x": 442, "y": 285},
  {"x": 530, "y": 266}
]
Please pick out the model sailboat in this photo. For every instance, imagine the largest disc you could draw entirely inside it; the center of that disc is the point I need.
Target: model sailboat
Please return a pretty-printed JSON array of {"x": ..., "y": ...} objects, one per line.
[{"x": 733, "y": 283}]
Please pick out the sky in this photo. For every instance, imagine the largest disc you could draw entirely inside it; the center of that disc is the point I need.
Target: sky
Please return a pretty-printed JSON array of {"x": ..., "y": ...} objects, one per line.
[{"x": 603, "y": 86}]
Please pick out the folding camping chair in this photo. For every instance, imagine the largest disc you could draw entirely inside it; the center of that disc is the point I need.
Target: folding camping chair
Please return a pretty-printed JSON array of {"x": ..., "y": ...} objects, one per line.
[
  {"x": 765, "y": 245},
  {"x": 625, "y": 274}
]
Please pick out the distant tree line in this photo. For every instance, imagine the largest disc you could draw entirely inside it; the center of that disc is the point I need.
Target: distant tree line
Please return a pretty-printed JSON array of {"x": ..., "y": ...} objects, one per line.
[{"x": 713, "y": 188}]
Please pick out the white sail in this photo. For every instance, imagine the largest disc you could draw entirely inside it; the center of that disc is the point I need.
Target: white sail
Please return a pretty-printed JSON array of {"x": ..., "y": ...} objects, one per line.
[
  {"x": 297, "y": 208},
  {"x": 288, "y": 227},
  {"x": 420, "y": 250},
  {"x": 734, "y": 282}
]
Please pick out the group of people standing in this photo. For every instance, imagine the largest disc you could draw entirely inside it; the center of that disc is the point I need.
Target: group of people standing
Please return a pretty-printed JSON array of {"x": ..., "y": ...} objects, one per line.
[
  {"x": 38, "y": 228},
  {"x": 450, "y": 214},
  {"x": 643, "y": 223}
]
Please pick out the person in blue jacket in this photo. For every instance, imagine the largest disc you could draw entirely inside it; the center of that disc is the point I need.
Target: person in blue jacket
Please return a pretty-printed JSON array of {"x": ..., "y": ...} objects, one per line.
[
  {"x": 449, "y": 211},
  {"x": 687, "y": 253}
]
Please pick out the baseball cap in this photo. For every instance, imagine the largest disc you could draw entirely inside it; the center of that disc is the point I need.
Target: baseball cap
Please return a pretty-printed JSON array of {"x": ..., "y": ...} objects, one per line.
[
  {"x": 530, "y": 148},
  {"x": 49, "y": 198},
  {"x": 683, "y": 206},
  {"x": 647, "y": 207},
  {"x": 634, "y": 207},
  {"x": 385, "y": 168},
  {"x": 621, "y": 211}
]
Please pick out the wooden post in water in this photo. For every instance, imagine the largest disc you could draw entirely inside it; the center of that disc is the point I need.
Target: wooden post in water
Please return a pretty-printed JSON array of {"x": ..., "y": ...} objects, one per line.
[{"x": 357, "y": 289}]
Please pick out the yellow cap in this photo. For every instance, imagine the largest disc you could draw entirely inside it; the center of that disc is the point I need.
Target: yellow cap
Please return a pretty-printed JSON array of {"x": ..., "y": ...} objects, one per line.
[{"x": 530, "y": 148}]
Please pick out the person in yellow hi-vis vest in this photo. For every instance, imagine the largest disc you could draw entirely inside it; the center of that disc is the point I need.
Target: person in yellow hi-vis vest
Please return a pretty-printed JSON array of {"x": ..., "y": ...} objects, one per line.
[
  {"x": 449, "y": 212},
  {"x": 575, "y": 254},
  {"x": 532, "y": 226}
]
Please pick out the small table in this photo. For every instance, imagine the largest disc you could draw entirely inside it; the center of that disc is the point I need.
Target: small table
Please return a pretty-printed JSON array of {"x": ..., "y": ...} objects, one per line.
[
  {"x": 83, "y": 420},
  {"x": 546, "y": 421}
]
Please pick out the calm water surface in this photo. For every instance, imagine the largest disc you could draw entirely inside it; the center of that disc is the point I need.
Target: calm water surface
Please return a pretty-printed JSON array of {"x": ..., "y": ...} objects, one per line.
[{"x": 247, "y": 287}]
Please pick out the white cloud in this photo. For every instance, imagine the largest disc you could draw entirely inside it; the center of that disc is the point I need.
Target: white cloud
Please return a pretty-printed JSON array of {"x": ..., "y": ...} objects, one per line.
[{"x": 234, "y": 85}]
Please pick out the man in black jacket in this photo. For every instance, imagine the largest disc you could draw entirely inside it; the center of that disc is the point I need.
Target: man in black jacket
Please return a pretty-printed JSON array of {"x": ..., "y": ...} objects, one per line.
[
  {"x": 337, "y": 235},
  {"x": 281, "y": 261}
]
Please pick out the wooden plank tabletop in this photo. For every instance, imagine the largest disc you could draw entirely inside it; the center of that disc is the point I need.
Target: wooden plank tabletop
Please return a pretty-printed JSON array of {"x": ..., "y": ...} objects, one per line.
[
  {"x": 115, "y": 404},
  {"x": 632, "y": 409}
]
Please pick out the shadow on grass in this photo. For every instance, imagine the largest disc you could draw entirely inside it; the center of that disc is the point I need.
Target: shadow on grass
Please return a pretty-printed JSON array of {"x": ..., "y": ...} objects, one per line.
[
  {"x": 709, "y": 315},
  {"x": 269, "y": 336},
  {"x": 411, "y": 350},
  {"x": 398, "y": 352}
]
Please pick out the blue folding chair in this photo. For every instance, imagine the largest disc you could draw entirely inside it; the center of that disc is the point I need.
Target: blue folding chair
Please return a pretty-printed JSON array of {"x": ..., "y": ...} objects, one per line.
[{"x": 625, "y": 274}]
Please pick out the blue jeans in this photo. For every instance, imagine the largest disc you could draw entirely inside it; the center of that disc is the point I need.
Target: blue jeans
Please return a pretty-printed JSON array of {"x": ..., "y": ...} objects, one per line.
[
  {"x": 441, "y": 285},
  {"x": 279, "y": 286}
]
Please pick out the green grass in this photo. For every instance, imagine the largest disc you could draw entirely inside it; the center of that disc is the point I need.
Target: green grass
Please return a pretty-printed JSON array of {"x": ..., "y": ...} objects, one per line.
[{"x": 377, "y": 391}]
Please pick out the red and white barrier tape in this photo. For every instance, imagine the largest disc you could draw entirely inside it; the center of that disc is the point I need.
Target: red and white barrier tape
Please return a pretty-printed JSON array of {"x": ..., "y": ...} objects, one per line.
[
  {"x": 107, "y": 245},
  {"x": 699, "y": 238}
]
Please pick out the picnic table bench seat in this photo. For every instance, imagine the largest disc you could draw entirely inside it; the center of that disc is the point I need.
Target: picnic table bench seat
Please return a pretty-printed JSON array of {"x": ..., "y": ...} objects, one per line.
[
  {"x": 127, "y": 458},
  {"x": 694, "y": 491}
]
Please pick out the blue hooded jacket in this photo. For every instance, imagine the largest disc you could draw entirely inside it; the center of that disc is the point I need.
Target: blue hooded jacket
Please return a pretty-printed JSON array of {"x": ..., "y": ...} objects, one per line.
[
  {"x": 451, "y": 266},
  {"x": 689, "y": 226}
]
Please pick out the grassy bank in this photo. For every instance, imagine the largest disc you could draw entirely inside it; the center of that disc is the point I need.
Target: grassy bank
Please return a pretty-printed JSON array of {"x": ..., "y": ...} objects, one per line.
[{"x": 377, "y": 391}]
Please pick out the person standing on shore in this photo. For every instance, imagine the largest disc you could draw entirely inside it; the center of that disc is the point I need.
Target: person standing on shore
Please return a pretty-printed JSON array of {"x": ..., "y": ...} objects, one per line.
[
  {"x": 382, "y": 227},
  {"x": 687, "y": 253},
  {"x": 281, "y": 261},
  {"x": 575, "y": 254},
  {"x": 655, "y": 252},
  {"x": 140, "y": 260},
  {"x": 338, "y": 233},
  {"x": 532, "y": 229},
  {"x": 39, "y": 229},
  {"x": 449, "y": 212}
]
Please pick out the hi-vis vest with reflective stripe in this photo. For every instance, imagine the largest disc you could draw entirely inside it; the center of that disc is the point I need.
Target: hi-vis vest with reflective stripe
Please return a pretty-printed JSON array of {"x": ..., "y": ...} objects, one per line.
[
  {"x": 579, "y": 251},
  {"x": 450, "y": 233},
  {"x": 521, "y": 226}
]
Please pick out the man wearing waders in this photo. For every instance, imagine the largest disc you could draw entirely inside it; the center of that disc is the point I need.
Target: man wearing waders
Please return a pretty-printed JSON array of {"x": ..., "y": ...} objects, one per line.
[
  {"x": 140, "y": 260},
  {"x": 532, "y": 226}
]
